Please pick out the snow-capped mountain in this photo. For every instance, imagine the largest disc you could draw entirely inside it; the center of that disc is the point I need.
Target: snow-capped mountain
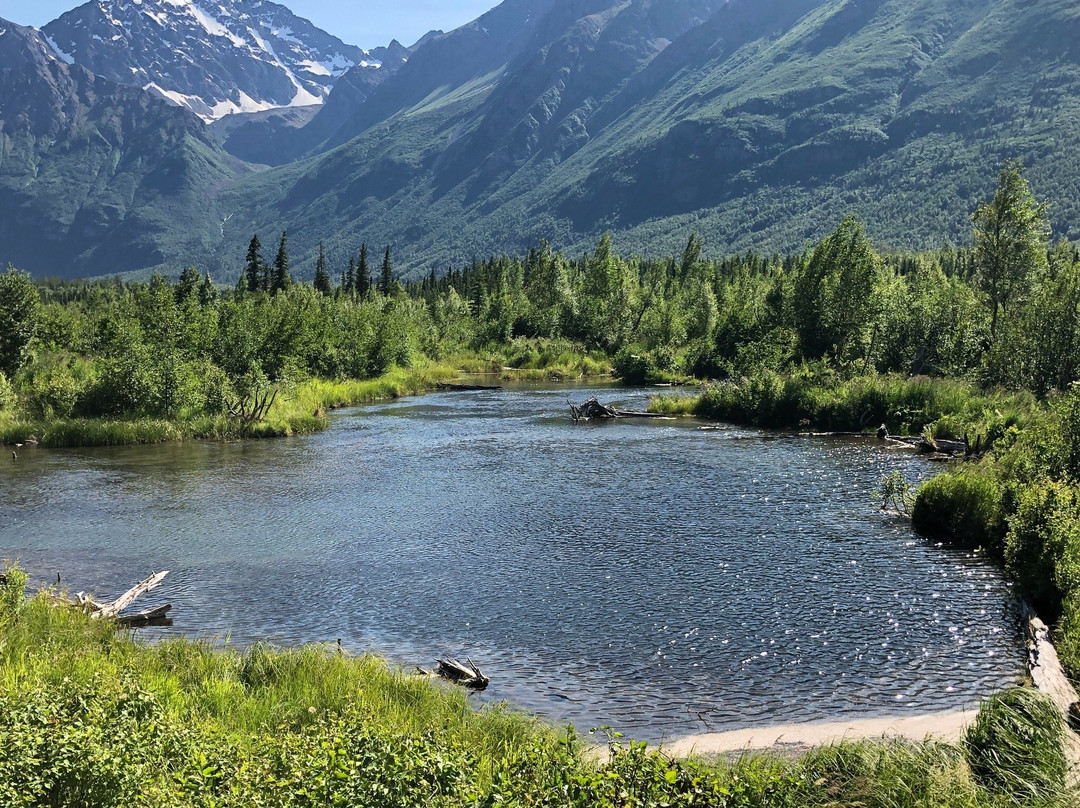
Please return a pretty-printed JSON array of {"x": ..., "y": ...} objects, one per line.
[{"x": 215, "y": 57}]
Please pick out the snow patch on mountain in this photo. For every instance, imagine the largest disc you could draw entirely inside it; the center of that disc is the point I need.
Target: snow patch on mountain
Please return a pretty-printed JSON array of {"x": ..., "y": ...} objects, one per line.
[
  {"x": 216, "y": 57},
  {"x": 66, "y": 58}
]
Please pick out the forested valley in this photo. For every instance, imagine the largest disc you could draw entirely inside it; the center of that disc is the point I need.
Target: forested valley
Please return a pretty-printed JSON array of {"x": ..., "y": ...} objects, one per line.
[
  {"x": 978, "y": 342},
  {"x": 1001, "y": 314}
]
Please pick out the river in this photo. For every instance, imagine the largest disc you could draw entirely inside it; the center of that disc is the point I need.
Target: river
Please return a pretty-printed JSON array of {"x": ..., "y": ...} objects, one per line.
[{"x": 658, "y": 577}]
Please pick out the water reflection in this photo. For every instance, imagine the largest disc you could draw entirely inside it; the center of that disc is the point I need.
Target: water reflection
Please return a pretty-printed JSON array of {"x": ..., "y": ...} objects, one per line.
[{"x": 656, "y": 577}]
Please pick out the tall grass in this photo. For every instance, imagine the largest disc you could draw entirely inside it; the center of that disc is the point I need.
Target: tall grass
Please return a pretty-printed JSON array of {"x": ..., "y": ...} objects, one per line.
[
  {"x": 946, "y": 408},
  {"x": 89, "y": 717}
]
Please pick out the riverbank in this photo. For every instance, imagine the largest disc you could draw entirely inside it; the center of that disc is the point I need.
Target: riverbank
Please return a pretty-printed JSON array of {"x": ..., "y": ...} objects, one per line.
[
  {"x": 945, "y": 409},
  {"x": 297, "y": 409},
  {"x": 90, "y": 717},
  {"x": 1044, "y": 669}
]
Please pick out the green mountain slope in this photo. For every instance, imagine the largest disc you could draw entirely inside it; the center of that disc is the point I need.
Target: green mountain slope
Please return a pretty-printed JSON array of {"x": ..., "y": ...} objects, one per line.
[
  {"x": 96, "y": 178},
  {"x": 758, "y": 123}
]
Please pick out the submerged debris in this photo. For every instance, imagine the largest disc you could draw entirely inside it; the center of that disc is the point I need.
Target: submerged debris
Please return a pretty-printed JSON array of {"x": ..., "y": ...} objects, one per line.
[
  {"x": 465, "y": 674},
  {"x": 594, "y": 410}
]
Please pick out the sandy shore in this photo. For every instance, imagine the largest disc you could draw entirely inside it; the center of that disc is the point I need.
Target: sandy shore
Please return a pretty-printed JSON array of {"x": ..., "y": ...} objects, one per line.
[{"x": 939, "y": 726}]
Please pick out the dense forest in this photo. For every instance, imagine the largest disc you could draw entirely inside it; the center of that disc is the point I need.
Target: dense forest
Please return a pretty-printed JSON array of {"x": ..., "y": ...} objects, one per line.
[{"x": 1004, "y": 312}]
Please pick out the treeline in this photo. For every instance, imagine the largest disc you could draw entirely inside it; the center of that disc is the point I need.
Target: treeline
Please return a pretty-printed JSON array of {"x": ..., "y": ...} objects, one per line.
[{"x": 1004, "y": 312}]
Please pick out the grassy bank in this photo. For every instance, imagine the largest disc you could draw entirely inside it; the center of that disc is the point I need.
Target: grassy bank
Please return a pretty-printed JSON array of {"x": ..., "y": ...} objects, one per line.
[
  {"x": 1021, "y": 503},
  {"x": 89, "y": 717},
  {"x": 821, "y": 401},
  {"x": 299, "y": 410}
]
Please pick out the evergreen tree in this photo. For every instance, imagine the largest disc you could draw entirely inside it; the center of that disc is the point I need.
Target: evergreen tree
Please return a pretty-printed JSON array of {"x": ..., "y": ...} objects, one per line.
[
  {"x": 281, "y": 280},
  {"x": 348, "y": 278},
  {"x": 322, "y": 276},
  {"x": 188, "y": 285},
  {"x": 386, "y": 276},
  {"x": 255, "y": 266},
  {"x": 363, "y": 272}
]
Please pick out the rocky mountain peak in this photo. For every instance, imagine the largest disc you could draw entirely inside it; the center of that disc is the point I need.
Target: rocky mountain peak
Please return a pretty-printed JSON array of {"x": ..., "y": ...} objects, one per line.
[{"x": 215, "y": 57}]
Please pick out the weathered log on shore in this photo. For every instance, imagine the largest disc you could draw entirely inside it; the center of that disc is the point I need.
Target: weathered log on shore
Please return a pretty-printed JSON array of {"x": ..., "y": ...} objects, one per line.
[
  {"x": 126, "y": 599},
  {"x": 594, "y": 410},
  {"x": 464, "y": 388},
  {"x": 923, "y": 443},
  {"x": 465, "y": 674}
]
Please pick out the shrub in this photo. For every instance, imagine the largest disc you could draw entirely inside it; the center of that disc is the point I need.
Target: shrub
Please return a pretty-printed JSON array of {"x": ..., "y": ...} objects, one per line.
[
  {"x": 1045, "y": 525},
  {"x": 964, "y": 507},
  {"x": 1015, "y": 746},
  {"x": 7, "y": 393}
]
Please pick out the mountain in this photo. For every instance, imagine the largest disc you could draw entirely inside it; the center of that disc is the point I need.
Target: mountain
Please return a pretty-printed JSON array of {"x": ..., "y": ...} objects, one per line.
[
  {"x": 215, "y": 57},
  {"x": 96, "y": 177},
  {"x": 757, "y": 123}
]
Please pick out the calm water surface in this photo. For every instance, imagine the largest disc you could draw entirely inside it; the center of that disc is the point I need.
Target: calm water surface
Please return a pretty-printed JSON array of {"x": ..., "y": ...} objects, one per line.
[{"x": 659, "y": 577}]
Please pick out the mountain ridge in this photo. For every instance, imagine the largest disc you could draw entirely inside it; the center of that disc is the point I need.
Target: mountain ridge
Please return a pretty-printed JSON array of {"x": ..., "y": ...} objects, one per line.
[
  {"x": 215, "y": 57},
  {"x": 758, "y": 124}
]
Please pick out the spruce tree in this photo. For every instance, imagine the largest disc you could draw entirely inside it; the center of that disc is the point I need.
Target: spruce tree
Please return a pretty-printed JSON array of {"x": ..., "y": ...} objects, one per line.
[
  {"x": 322, "y": 276},
  {"x": 254, "y": 265},
  {"x": 348, "y": 278},
  {"x": 386, "y": 277},
  {"x": 281, "y": 280},
  {"x": 363, "y": 272}
]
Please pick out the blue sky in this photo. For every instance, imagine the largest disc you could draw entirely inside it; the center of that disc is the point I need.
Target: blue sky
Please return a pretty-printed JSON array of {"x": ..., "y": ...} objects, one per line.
[{"x": 367, "y": 23}]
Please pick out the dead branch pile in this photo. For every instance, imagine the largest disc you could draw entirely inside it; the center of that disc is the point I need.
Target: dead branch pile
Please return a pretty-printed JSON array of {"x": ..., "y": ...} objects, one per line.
[
  {"x": 594, "y": 410},
  {"x": 253, "y": 407}
]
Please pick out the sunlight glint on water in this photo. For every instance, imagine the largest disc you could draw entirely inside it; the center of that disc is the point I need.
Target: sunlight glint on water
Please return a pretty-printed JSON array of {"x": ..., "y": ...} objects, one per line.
[{"x": 656, "y": 577}]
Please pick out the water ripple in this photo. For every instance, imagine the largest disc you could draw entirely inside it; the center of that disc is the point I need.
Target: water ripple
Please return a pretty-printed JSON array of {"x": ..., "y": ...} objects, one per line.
[{"x": 659, "y": 577}]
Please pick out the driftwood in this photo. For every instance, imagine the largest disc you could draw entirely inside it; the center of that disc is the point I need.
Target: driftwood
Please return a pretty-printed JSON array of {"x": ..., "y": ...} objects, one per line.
[
  {"x": 594, "y": 410},
  {"x": 924, "y": 443},
  {"x": 155, "y": 615},
  {"x": 465, "y": 674},
  {"x": 464, "y": 388}
]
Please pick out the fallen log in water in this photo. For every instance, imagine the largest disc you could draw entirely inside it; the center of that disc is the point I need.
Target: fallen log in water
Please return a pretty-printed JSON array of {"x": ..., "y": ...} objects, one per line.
[
  {"x": 126, "y": 599},
  {"x": 594, "y": 410},
  {"x": 464, "y": 388},
  {"x": 465, "y": 674},
  {"x": 154, "y": 615}
]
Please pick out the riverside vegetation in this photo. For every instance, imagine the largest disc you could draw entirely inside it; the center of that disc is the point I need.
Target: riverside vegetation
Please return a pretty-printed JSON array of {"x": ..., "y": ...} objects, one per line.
[
  {"x": 88, "y": 717},
  {"x": 979, "y": 341}
]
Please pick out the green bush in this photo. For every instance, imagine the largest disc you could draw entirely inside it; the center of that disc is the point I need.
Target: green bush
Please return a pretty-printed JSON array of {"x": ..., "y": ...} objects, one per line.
[
  {"x": 1042, "y": 546},
  {"x": 963, "y": 506},
  {"x": 1015, "y": 747},
  {"x": 1067, "y": 634},
  {"x": 7, "y": 394}
]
